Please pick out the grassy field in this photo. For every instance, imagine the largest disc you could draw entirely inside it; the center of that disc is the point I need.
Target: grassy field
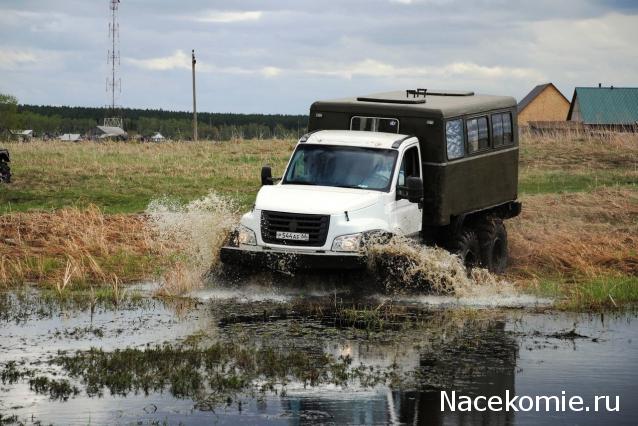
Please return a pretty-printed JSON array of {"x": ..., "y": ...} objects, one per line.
[
  {"x": 124, "y": 177},
  {"x": 69, "y": 217}
]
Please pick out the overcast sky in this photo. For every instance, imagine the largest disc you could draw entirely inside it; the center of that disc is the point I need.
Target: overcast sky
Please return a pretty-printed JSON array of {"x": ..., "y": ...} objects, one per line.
[{"x": 279, "y": 56}]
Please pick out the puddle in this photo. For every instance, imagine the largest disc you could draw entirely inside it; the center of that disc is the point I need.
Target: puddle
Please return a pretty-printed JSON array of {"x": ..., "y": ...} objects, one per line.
[{"x": 271, "y": 355}]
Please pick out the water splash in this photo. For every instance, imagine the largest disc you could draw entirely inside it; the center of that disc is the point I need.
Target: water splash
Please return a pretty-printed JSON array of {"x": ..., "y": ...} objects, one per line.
[
  {"x": 197, "y": 230},
  {"x": 406, "y": 266}
]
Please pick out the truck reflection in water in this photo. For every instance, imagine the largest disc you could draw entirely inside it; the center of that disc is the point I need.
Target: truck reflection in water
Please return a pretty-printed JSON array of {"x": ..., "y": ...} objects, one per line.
[{"x": 470, "y": 357}]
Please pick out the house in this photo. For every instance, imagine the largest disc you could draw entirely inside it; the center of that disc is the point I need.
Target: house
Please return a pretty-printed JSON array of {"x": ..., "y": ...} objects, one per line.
[
  {"x": 71, "y": 137},
  {"x": 613, "y": 107},
  {"x": 22, "y": 135},
  {"x": 544, "y": 103},
  {"x": 108, "y": 132},
  {"x": 157, "y": 137}
]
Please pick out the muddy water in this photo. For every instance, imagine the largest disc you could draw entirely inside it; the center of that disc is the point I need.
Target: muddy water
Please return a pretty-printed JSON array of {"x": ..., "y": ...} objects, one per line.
[{"x": 271, "y": 355}]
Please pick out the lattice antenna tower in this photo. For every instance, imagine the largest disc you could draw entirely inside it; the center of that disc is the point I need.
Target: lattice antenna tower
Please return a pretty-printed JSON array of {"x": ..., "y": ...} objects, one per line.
[{"x": 113, "y": 81}]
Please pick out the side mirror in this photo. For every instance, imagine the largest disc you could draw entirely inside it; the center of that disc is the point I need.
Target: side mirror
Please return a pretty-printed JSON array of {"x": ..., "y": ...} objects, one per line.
[
  {"x": 415, "y": 189},
  {"x": 266, "y": 175}
]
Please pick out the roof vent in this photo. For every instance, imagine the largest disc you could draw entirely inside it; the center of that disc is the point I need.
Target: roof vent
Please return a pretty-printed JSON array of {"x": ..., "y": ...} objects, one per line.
[
  {"x": 415, "y": 93},
  {"x": 391, "y": 99}
]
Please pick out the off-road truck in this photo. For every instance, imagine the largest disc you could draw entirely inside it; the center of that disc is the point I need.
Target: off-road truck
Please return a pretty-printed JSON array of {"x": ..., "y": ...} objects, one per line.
[
  {"x": 439, "y": 166},
  {"x": 5, "y": 169}
]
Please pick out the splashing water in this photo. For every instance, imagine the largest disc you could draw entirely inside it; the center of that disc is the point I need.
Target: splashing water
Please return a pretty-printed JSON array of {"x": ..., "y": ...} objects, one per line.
[
  {"x": 406, "y": 266},
  {"x": 198, "y": 229}
]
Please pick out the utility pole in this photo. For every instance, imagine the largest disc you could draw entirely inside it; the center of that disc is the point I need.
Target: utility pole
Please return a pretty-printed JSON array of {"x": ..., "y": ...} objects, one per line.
[{"x": 194, "y": 102}]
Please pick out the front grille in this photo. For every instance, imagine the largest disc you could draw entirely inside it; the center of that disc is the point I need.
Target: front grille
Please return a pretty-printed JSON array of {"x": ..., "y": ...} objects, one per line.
[{"x": 315, "y": 225}]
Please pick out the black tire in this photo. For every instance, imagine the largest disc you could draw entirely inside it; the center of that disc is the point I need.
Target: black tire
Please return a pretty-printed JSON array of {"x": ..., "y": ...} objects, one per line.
[
  {"x": 465, "y": 244},
  {"x": 493, "y": 240},
  {"x": 5, "y": 172}
]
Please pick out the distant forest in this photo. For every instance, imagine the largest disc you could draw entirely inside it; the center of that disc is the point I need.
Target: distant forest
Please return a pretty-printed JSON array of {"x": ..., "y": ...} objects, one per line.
[{"x": 56, "y": 120}]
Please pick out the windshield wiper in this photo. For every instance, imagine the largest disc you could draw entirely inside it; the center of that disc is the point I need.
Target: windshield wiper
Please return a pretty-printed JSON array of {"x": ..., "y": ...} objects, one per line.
[
  {"x": 349, "y": 186},
  {"x": 300, "y": 183}
]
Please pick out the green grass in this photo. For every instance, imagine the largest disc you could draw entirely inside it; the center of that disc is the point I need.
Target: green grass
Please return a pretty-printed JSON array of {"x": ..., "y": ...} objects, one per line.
[
  {"x": 546, "y": 182},
  {"x": 591, "y": 293},
  {"x": 125, "y": 177}
]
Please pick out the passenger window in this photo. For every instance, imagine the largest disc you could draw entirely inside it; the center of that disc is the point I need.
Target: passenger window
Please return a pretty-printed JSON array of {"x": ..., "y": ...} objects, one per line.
[
  {"x": 497, "y": 129},
  {"x": 375, "y": 124},
  {"x": 477, "y": 134},
  {"x": 409, "y": 166},
  {"x": 483, "y": 133},
  {"x": 454, "y": 137},
  {"x": 508, "y": 135}
]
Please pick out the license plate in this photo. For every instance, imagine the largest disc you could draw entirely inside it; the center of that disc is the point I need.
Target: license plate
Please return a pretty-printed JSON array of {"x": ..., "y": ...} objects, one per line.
[{"x": 295, "y": 236}]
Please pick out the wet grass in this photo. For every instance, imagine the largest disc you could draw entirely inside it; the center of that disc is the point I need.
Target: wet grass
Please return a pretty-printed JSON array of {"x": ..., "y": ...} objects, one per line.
[
  {"x": 284, "y": 348},
  {"x": 26, "y": 303},
  {"x": 210, "y": 375},
  {"x": 602, "y": 292}
]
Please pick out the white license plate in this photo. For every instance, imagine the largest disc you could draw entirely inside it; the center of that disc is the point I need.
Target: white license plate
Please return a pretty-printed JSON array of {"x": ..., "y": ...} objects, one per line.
[{"x": 295, "y": 236}]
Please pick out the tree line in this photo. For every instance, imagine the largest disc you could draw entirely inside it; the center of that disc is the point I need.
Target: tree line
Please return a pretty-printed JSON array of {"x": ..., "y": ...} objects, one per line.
[{"x": 56, "y": 120}]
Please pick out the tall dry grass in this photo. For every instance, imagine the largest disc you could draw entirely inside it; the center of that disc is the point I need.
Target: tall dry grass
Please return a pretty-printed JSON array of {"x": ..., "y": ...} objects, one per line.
[
  {"x": 581, "y": 233},
  {"x": 579, "y": 151},
  {"x": 574, "y": 235},
  {"x": 74, "y": 246}
]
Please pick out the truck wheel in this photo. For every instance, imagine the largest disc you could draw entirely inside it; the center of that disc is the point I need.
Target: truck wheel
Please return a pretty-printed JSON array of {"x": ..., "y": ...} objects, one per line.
[
  {"x": 5, "y": 172},
  {"x": 465, "y": 245},
  {"x": 493, "y": 238}
]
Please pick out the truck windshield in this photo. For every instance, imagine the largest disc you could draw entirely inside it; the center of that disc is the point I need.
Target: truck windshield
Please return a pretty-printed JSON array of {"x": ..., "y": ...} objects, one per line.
[{"x": 343, "y": 167}]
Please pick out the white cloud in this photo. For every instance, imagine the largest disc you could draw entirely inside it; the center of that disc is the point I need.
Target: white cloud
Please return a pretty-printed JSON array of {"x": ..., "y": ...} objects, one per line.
[
  {"x": 182, "y": 60},
  {"x": 433, "y": 2},
  {"x": 374, "y": 68},
  {"x": 11, "y": 59},
  {"x": 178, "y": 60},
  {"x": 226, "y": 17},
  {"x": 271, "y": 71}
]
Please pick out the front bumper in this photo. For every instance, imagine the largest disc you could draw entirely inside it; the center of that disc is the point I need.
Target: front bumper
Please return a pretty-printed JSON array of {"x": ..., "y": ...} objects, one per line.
[{"x": 257, "y": 258}]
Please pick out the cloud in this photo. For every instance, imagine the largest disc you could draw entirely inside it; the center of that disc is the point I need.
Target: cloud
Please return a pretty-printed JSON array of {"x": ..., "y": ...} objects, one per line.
[
  {"x": 227, "y": 17},
  {"x": 11, "y": 59},
  {"x": 178, "y": 60},
  {"x": 434, "y": 2},
  {"x": 374, "y": 68},
  {"x": 292, "y": 52},
  {"x": 182, "y": 60}
]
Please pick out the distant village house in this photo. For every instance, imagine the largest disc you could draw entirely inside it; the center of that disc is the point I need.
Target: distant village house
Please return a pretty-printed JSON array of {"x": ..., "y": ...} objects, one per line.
[
  {"x": 108, "y": 132},
  {"x": 609, "y": 107},
  {"x": 71, "y": 137},
  {"x": 157, "y": 137},
  {"x": 544, "y": 103},
  {"x": 22, "y": 135}
]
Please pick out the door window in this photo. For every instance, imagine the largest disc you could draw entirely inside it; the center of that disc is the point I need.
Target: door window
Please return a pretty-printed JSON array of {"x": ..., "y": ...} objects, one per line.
[{"x": 410, "y": 167}]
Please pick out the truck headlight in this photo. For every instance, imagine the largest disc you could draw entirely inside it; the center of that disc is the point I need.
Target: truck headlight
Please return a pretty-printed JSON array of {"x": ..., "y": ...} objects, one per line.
[
  {"x": 247, "y": 236},
  {"x": 350, "y": 242}
]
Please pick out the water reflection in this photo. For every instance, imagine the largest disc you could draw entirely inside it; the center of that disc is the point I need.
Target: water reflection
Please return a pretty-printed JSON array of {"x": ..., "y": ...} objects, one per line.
[{"x": 314, "y": 359}]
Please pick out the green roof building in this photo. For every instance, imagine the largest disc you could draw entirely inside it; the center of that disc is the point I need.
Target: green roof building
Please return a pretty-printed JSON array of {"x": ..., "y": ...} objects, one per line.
[{"x": 605, "y": 106}]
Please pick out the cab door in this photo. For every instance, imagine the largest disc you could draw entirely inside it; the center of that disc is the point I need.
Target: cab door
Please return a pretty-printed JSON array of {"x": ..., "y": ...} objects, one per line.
[{"x": 408, "y": 216}]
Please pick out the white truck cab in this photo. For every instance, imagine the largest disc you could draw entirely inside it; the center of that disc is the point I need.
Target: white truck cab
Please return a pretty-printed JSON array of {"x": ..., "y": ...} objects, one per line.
[{"x": 338, "y": 187}]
